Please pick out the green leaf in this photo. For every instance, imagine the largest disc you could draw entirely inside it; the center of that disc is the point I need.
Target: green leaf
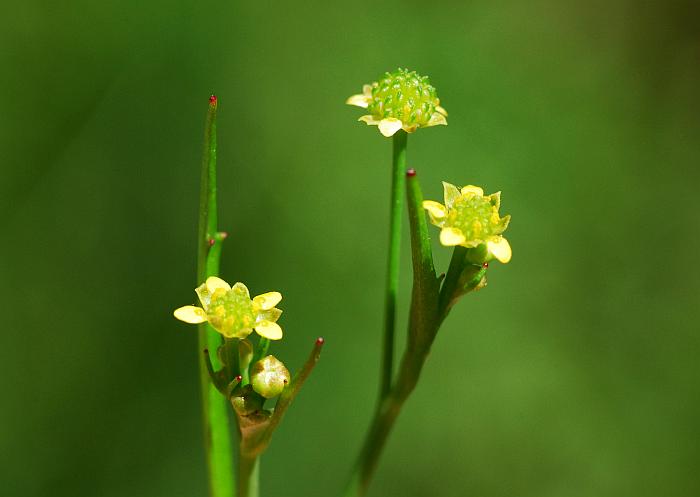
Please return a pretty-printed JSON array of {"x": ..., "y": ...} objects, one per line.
[{"x": 424, "y": 298}]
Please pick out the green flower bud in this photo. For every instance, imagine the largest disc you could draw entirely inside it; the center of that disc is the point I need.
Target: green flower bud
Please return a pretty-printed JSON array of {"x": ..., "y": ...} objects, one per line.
[
  {"x": 269, "y": 376},
  {"x": 245, "y": 402}
]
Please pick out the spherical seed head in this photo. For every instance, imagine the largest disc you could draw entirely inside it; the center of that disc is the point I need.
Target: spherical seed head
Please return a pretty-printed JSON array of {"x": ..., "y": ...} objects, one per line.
[
  {"x": 477, "y": 217},
  {"x": 404, "y": 95},
  {"x": 231, "y": 312}
]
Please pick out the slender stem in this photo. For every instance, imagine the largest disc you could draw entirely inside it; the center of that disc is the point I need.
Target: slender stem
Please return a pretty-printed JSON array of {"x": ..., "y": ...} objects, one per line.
[
  {"x": 392, "y": 276},
  {"x": 423, "y": 324},
  {"x": 384, "y": 421},
  {"x": 249, "y": 476},
  {"x": 217, "y": 434},
  {"x": 451, "y": 279}
]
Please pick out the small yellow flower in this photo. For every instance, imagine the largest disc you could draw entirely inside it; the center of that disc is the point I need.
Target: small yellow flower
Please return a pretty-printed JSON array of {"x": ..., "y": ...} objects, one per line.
[
  {"x": 400, "y": 100},
  {"x": 231, "y": 312},
  {"x": 471, "y": 220}
]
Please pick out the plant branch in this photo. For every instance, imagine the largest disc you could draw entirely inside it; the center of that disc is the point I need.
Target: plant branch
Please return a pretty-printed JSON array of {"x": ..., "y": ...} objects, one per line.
[
  {"x": 217, "y": 434},
  {"x": 398, "y": 165},
  {"x": 423, "y": 325}
]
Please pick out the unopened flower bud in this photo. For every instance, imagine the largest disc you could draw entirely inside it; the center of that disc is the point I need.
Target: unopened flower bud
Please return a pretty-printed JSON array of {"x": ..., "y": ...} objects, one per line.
[
  {"x": 245, "y": 402},
  {"x": 269, "y": 376}
]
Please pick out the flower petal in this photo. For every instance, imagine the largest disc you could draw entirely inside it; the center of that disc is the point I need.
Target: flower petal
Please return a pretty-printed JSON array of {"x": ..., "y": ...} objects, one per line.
[
  {"x": 358, "y": 101},
  {"x": 473, "y": 190},
  {"x": 389, "y": 126},
  {"x": 451, "y": 237},
  {"x": 268, "y": 300},
  {"x": 436, "y": 211},
  {"x": 241, "y": 289},
  {"x": 214, "y": 283},
  {"x": 271, "y": 315},
  {"x": 269, "y": 330},
  {"x": 436, "y": 119},
  {"x": 409, "y": 128},
  {"x": 367, "y": 90},
  {"x": 190, "y": 314},
  {"x": 451, "y": 193},
  {"x": 441, "y": 110},
  {"x": 369, "y": 119},
  {"x": 203, "y": 294},
  {"x": 500, "y": 249},
  {"x": 495, "y": 199}
]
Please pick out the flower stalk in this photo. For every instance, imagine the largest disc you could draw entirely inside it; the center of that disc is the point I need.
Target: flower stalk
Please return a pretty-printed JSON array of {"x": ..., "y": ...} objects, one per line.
[
  {"x": 398, "y": 166},
  {"x": 217, "y": 433}
]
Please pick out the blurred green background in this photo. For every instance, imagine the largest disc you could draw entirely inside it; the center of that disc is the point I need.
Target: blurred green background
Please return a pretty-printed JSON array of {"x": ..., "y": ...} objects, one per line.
[{"x": 575, "y": 373}]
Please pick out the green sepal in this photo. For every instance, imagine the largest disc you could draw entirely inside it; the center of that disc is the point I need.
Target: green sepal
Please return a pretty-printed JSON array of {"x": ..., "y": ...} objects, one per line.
[{"x": 479, "y": 254}]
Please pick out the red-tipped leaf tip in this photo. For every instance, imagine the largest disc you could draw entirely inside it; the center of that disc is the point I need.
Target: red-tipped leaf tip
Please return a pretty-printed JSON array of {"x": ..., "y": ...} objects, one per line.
[
  {"x": 213, "y": 100},
  {"x": 211, "y": 242},
  {"x": 238, "y": 378},
  {"x": 485, "y": 265},
  {"x": 411, "y": 172},
  {"x": 320, "y": 341}
]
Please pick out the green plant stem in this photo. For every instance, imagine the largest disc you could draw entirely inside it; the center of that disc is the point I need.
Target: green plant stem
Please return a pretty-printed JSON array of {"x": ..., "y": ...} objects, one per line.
[
  {"x": 217, "y": 433},
  {"x": 451, "y": 282},
  {"x": 398, "y": 165},
  {"x": 423, "y": 326},
  {"x": 257, "y": 429},
  {"x": 249, "y": 476}
]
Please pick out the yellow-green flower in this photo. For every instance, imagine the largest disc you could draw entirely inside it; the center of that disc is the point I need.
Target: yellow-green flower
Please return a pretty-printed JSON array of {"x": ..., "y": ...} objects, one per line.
[
  {"x": 231, "y": 312},
  {"x": 400, "y": 100},
  {"x": 471, "y": 220}
]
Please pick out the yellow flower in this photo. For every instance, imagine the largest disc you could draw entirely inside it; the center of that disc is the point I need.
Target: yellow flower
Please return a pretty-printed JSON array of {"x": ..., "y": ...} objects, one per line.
[
  {"x": 400, "y": 100},
  {"x": 471, "y": 220},
  {"x": 231, "y": 312}
]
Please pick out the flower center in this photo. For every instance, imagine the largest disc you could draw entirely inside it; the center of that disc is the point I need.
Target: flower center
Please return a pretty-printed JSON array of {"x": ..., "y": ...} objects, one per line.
[
  {"x": 231, "y": 312},
  {"x": 476, "y": 217},
  {"x": 404, "y": 95}
]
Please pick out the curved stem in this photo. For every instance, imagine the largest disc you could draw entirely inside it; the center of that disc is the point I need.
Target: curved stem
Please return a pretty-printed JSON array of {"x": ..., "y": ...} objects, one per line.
[
  {"x": 392, "y": 276},
  {"x": 217, "y": 434}
]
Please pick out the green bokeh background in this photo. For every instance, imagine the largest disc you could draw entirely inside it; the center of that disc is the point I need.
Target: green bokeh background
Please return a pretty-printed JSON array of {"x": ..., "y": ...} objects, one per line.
[{"x": 574, "y": 374}]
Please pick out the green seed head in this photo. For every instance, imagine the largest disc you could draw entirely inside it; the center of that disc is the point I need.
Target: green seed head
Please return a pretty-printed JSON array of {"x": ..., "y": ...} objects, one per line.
[
  {"x": 477, "y": 217},
  {"x": 404, "y": 95},
  {"x": 231, "y": 312}
]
